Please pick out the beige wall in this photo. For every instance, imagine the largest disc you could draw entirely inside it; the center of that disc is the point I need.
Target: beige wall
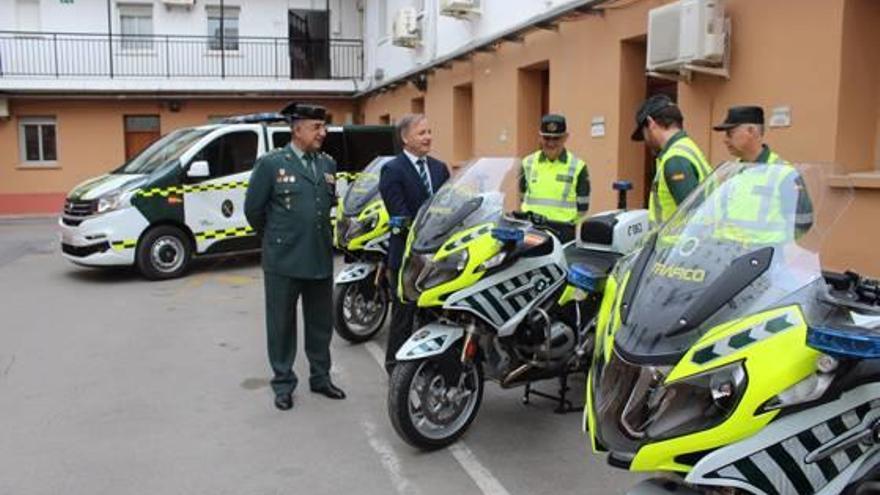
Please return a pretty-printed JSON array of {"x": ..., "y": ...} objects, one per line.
[
  {"x": 818, "y": 57},
  {"x": 90, "y": 135}
]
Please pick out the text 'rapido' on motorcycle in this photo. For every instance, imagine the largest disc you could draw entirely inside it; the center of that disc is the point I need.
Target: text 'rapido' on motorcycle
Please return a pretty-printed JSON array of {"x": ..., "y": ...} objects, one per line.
[{"x": 494, "y": 301}]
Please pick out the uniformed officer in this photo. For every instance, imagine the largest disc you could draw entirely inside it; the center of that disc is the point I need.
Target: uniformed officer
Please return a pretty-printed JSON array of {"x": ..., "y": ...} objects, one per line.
[
  {"x": 554, "y": 182},
  {"x": 770, "y": 193},
  {"x": 681, "y": 166},
  {"x": 288, "y": 202}
]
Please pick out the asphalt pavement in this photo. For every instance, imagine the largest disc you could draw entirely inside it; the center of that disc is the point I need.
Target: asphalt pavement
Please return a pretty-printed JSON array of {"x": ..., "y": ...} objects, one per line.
[{"x": 110, "y": 384}]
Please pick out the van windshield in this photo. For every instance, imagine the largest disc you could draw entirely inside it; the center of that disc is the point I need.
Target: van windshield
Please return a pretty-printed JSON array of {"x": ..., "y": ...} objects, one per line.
[{"x": 167, "y": 149}]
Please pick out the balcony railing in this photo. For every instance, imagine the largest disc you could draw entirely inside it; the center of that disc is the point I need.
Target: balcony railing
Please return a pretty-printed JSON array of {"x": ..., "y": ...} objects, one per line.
[{"x": 71, "y": 55}]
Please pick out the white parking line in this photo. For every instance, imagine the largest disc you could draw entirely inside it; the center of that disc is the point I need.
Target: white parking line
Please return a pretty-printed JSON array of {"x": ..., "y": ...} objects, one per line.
[
  {"x": 480, "y": 474},
  {"x": 390, "y": 461}
]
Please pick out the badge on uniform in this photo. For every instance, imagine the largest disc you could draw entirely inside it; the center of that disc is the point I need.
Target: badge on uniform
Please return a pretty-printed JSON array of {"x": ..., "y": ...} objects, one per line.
[{"x": 283, "y": 177}]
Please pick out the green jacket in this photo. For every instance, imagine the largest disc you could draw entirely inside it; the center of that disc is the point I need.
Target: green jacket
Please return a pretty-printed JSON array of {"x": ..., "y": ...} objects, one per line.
[{"x": 291, "y": 210}]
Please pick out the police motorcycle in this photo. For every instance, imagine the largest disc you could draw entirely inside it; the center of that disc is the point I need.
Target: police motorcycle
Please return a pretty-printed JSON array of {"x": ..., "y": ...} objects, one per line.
[
  {"x": 493, "y": 301},
  {"x": 727, "y": 359},
  {"x": 361, "y": 295}
]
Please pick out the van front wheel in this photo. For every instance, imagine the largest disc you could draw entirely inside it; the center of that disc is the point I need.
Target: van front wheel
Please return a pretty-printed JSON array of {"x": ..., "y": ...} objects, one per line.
[{"x": 164, "y": 252}]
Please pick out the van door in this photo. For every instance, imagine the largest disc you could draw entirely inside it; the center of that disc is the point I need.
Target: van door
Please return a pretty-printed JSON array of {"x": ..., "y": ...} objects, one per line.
[{"x": 214, "y": 207}]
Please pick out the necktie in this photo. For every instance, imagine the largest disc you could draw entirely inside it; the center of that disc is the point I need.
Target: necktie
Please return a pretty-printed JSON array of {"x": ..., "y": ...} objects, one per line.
[
  {"x": 423, "y": 174},
  {"x": 310, "y": 164}
]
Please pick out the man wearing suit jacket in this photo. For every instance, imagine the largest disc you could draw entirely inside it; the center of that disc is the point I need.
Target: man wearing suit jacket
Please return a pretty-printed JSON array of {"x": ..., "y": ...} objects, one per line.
[{"x": 405, "y": 184}]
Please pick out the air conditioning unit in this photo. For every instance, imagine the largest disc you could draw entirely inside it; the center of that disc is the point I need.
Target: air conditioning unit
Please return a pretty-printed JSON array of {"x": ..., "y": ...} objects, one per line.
[
  {"x": 179, "y": 3},
  {"x": 460, "y": 8},
  {"x": 685, "y": 34},
  {"x": 406, "y": 30}
]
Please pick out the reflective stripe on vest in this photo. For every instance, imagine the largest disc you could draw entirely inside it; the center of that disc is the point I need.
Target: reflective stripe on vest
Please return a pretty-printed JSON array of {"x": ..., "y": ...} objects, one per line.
[
  {"x": 548, "y": 193},
  {"x": 662, "y": 204},
  {"x": 753, "y": 211}
]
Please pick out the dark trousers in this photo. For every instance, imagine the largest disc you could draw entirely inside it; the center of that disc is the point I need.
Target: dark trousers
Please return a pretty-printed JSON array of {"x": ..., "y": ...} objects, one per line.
[
  {"x": 282, "y": 294},
  {"x": 402, "y": 320}
]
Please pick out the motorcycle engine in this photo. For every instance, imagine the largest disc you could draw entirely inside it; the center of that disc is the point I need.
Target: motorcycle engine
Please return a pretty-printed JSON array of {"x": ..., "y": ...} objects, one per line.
[{"x": 538, "y": 341}]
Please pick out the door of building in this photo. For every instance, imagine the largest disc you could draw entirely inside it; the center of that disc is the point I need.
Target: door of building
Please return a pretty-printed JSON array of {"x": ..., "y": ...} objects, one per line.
[
  {"x": 656, "y": 86},
  {"x": 309, "y": 40},
  {"x": 140, "y": 132}
]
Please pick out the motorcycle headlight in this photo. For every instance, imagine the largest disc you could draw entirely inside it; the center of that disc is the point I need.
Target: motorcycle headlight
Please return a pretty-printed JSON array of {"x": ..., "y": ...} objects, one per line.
[
  {"x": 442, "y": 271},
  {"x": 659, "y": 411},
  {"x": 109, "y": 202}
]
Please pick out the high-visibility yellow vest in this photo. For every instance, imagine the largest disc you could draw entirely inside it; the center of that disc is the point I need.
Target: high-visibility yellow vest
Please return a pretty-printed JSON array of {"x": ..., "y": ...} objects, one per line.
[
  {"x": 662, "y": 203},
  {"x": 551, "y": 187},
  {"x": 761, "y": 209}
]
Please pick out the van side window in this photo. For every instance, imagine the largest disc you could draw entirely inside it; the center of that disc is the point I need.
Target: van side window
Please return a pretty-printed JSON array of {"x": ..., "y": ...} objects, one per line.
[
  {"x": 230, "y": 153},
  {"x": 280, "y": 139}
]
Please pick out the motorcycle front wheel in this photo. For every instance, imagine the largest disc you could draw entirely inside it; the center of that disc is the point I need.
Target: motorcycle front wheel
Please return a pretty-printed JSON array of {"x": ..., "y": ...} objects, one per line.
[
  {"x": 360, "y": 309},
  {"x": 431, "y": 405}
]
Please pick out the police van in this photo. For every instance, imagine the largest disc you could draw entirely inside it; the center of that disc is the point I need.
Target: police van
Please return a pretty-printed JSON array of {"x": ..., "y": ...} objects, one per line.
[{"x": 183, "y": 196}]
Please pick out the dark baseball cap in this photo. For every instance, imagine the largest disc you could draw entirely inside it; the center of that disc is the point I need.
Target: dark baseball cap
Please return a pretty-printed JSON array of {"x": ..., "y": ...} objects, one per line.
[
  {"x": 553, "y": 124},
  {"x": 303, "y": 111},
  {"x": 650, "y": 108},
  {"x": 741, "y": 115}
]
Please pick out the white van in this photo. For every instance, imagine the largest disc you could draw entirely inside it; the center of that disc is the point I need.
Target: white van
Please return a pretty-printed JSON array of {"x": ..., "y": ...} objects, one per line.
[{"x": 183, "y": 196}]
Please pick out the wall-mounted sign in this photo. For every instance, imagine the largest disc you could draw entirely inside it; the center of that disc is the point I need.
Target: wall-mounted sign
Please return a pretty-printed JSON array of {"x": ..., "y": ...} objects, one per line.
[
  {"x": 597, "y": 127},
  {"x": 780, "y": 117}
]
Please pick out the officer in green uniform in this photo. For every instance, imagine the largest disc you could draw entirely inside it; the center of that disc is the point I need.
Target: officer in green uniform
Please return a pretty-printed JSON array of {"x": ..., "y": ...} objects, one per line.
[
  {"x": 681, "y": 166},
  {"x": 774, "y": 188},
  {"x": 554, "y": 182},
  {"x": 288, "y": 202}
]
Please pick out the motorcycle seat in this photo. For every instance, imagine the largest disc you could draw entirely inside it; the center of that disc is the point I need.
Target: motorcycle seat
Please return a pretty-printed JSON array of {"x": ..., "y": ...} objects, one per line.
[{"x": 600, "y": 262}]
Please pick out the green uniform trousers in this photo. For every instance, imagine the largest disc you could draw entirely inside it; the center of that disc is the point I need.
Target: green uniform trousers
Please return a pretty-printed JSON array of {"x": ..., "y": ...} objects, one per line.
[{"x": 282, "y": 294}]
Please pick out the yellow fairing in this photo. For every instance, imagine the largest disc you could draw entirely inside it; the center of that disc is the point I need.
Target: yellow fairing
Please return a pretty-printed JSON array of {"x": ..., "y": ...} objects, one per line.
[
  {"x": 376, "y": 208},
  {"x": 773, "y": 364},
  {"x": 480, "y": 249}
]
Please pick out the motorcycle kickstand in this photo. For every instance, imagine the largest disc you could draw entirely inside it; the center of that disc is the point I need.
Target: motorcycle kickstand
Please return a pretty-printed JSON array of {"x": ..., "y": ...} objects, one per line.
[{"x": 563, "y": 404}]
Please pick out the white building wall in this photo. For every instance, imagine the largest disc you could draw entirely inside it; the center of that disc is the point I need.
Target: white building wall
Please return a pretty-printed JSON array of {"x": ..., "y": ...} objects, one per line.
[
  {"x": 258, "y": 17},
  {"x": 441, "y": 35},
  {"x": 168, "y": 58}
]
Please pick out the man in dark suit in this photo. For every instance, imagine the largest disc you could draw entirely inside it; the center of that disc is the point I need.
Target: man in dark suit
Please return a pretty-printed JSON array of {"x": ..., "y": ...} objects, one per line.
[
  {"x": 405, "y": 184},
  {"x": 288, "y": 202}
]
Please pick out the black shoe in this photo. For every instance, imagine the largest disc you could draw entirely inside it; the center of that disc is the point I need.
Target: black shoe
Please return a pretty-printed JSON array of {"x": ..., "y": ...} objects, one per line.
[
  {"x": 329, "y": 390},
  {"x": 284, "y": 402}
]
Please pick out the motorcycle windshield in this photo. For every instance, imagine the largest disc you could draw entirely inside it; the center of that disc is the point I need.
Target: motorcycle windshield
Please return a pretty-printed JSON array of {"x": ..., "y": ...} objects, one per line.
[
  {"x": 481, "y": 191},
  {"x": 365, "y": 188},
  {"x": 746, "y": 240}
]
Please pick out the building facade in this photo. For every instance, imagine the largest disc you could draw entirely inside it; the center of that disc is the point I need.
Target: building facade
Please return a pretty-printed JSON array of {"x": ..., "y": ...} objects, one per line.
[
  {"x": 86, "y": 84},
  {"x": 812, "y": 64}
]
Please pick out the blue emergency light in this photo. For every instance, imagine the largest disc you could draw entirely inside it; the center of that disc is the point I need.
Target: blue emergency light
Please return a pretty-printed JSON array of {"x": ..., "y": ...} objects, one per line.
[
  {"x": 845, "y": 342},
  {"x": 508, "y": 234},
  {"x": 586, "y": 279}
]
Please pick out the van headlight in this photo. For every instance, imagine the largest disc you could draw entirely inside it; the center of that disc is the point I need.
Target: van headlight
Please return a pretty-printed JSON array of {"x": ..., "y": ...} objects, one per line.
[{"x": 109, "y": 202}]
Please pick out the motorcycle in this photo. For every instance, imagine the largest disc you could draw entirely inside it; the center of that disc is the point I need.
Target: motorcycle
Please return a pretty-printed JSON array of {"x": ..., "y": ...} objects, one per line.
[
  {"x": 726, "y": 358},
  {"x": 494, "y": 301},
  {"x": 361, "y": 295}
]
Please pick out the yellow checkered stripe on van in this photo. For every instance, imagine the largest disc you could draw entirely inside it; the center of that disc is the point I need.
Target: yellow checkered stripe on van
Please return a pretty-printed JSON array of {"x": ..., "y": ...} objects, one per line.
[
  {"x": 123, "y": 245},
  {"x": 210, "y": 235},
  {"x": 165, "y": 191}
]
